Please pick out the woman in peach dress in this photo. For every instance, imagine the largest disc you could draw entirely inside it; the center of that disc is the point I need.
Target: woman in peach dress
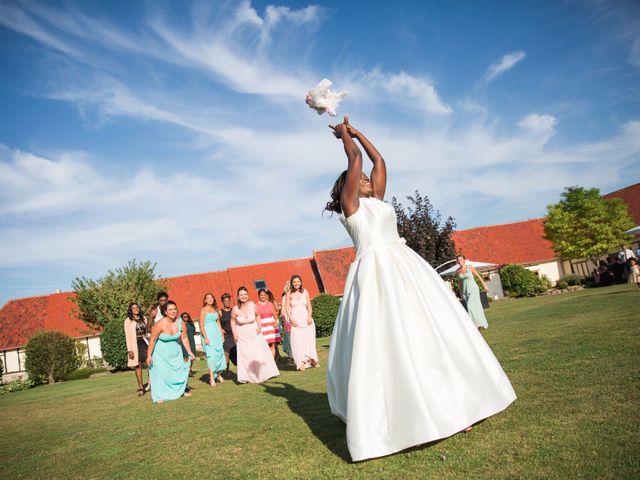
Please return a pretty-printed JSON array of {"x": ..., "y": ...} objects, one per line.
[
  {"x": 303, "y": 329},
  {"x": 255, "y": 361}
]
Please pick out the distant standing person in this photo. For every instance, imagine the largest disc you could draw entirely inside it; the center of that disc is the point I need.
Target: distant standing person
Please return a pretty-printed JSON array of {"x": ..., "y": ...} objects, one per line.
[
  {"x": 255, "y": 362},
  {"x": 168, "y": 372},
  {"x": 135, "y": 332},
  {"x": 303, "y": 329},
  {"x": 191, "y": 335},
  {"x": 155, "y": 312},
  {"x": 634, "y": 272},
  {"x": 470, "y": 291},
  {"x": 229, "y": 344},
  {"x": 212, "y": 334}
]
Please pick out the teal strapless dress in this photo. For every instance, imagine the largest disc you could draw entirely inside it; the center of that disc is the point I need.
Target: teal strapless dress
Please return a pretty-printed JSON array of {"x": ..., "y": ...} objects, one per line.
[
  {"x": 215, "y": 350},
  {"x": 169, "y": 372}
]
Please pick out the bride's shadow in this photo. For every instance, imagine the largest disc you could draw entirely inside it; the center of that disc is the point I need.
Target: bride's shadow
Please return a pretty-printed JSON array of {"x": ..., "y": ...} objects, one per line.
[{"x": 313, "y": 408}]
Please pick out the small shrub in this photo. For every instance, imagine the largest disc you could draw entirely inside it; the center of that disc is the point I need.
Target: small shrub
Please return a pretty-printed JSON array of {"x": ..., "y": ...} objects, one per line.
[
  {"x": 562, "y": 285},
  {"x": 17, "y": 385},
  {"x": 519, "y": 281},
  {"x": 97, "y": 362},
  {"x": 544, "y": 284},
  {"x": 50, "y": 356},
  {"x": 325, "y": 311},
  {"x": 572, "y": 280},
  {"x": 114, "y": 345},
  {"x": 81, "y": 352},
  {"x": 83, "y": 373}
]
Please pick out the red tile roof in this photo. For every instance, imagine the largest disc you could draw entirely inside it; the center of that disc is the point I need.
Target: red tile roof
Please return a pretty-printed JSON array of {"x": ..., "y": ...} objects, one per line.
[
  {"x": 189, "y": 290},
  {"x": 631, "y": 196},
  {"x": 275, "y": 274},
  {"x": 333, "y": 266},
  {"x": 20, "y": 319},
  {"x": 519, "y": 242}
]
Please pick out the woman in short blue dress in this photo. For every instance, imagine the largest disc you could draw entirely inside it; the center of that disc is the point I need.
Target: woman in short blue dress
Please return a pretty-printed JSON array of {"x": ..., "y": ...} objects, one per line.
[{"x": 212, "y": 338}]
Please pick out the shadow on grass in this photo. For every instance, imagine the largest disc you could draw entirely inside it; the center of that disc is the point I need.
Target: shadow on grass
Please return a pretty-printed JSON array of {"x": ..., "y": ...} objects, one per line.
[{"x": 313, "y": 408}]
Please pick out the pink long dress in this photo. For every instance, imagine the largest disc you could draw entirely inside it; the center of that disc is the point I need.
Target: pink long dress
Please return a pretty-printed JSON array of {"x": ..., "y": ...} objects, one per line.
[
  {"x": 303, "y": 336},
  {"x": 255, "y": 361}
]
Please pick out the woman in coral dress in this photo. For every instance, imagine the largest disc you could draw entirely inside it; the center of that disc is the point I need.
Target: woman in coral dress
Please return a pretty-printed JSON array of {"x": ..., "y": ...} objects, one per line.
[
  {"x": 268, "y": 321},
  {"x": 406, "y": 365},
  {"x": 303, "y": 329},
  {"x": 255, "y": 361}
]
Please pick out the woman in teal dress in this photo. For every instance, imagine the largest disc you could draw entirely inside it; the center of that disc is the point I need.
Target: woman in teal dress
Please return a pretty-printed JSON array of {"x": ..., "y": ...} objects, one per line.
[
  {"x": 212, "y": 338},
  {"x": 471, "y": 293},
  {"x": 168, "y": 372}
]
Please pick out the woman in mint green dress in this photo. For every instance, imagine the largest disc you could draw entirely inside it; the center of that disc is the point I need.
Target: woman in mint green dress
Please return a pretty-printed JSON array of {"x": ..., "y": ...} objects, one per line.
[
  {"x": 168, "y": 372},
  {"x": 471, "y": 293},
  {"x": 212, "y": 338}
]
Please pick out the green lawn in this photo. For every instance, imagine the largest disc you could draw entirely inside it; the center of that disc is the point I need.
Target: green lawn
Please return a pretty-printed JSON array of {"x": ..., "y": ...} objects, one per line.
[{"x": 573, "y": 360}]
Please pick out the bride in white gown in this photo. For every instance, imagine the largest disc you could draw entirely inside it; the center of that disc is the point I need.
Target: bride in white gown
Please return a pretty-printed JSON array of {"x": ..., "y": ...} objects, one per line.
[{"x": 406, "y": 364}]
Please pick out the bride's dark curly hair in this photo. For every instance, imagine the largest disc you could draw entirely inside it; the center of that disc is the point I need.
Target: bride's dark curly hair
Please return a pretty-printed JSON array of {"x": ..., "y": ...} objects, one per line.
[{"x": 336, "y": 191}]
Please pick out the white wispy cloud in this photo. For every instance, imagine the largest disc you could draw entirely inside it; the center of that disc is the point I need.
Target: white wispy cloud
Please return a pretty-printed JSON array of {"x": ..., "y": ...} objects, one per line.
[{"x": 506, "y": 63}]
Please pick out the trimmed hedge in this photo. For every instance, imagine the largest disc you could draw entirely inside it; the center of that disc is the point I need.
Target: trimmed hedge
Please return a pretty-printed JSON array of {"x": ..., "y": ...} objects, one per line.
[
  {"x": 51, "y": 356},
  {"x": 572, "y": 280},
  {"x": 325, "y": 310},
  {"x": 520, "y": 282},
  {"x": 114, "y": 344},
  {"x": 562, "y": 285}
]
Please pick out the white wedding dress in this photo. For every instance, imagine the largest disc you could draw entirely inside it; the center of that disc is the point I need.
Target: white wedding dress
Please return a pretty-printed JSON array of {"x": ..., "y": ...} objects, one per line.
[{"x": 406, "y": 364}]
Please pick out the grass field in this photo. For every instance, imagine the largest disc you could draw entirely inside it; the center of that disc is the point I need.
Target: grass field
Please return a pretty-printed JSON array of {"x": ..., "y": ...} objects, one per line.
[{"x": 573, "y": 360}]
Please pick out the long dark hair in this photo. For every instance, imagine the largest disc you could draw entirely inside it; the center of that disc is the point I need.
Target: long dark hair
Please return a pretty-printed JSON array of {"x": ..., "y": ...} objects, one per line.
[
  {"x": 336, "y": 191},
  {"x": 130, "y": 311},
  {"x": 301, "y": 289},
  {"x": 240, "y": 302},
  {"x": 214, "y": 304}
]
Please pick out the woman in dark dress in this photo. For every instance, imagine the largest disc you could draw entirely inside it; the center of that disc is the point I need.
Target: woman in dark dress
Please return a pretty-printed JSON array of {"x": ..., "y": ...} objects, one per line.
[
  {"x": 191, "y": 335},
  {"x": 229, "y": 343},
  {"x": 135, "y": 330}
]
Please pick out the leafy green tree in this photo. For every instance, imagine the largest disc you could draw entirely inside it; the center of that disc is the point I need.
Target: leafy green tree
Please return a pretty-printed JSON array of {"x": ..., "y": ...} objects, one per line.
[
  {"x": 583, "y": 224},
  {"x": 101, "y": 301},
  {"x": 422, "y": 227},
  {"x": 51, "y": 356}
]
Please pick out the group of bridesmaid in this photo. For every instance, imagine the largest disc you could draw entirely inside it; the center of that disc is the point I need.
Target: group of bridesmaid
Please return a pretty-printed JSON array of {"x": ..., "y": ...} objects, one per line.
[{"x": 247, "y": 334}]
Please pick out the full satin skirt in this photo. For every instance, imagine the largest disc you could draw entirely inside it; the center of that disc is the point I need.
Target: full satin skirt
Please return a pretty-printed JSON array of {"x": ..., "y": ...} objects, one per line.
[
  {"x": 303, "y": 344},
  {"x": 406, "y": 365},
  {"x": 255, "y": 361}
]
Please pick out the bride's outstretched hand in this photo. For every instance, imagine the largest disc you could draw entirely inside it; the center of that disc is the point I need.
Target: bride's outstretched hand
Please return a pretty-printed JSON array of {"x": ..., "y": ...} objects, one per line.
[
  {"x": 352, "y": 131},
  {"x": 339, "y": 130}
]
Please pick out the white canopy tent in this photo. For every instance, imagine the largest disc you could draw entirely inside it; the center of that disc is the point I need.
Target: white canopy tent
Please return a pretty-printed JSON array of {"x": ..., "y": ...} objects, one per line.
[{"x": 453, "y": 269}]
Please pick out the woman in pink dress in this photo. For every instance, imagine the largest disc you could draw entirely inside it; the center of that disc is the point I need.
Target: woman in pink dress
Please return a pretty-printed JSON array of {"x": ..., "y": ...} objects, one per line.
[
  {"x": 255, "y": 362},
  {"x": 303, "y": 330},
  {"x": 268, "y": 321}
]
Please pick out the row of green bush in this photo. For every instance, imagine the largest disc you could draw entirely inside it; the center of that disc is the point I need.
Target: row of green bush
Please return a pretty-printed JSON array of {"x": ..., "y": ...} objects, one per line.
[{"x": 16, "y": 386}]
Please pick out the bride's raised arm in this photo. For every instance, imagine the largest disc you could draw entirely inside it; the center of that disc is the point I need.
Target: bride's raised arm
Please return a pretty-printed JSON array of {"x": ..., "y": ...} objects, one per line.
[
  {"x": 349, "y": 198},
  {"x": 379, "y": 172}
]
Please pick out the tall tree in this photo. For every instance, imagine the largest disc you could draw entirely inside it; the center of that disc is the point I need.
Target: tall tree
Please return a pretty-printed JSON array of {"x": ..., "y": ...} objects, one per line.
[
  {"x": 101, "y": 301},
  {"x": 422, "y": 227},
  {"x": 583, "y": 224}
]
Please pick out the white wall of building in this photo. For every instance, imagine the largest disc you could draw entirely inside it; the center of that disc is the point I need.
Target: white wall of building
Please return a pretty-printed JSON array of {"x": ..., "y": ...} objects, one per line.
[{"x": 553, "y": 270}]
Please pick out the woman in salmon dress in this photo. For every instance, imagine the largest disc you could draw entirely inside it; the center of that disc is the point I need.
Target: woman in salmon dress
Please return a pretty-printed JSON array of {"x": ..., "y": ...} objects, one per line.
[
  {"x": 303, "y": 328},
  {"x": 255, "y": 361}
]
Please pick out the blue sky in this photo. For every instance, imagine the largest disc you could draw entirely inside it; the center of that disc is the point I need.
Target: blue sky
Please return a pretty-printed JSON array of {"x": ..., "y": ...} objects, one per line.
[{"x": 177, "y": 132}]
